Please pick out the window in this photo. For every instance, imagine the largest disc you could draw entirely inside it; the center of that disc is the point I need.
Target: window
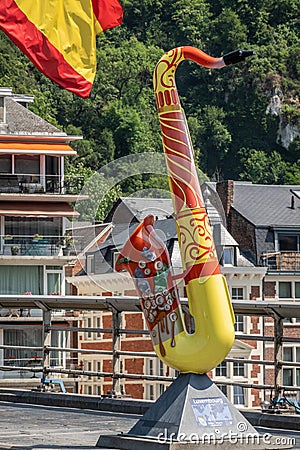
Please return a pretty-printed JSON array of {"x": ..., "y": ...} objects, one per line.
[
  {"x": 99, "y": 369},
  {"x": 54, "y": 283},
  {"x": 162, "y": 389},
  {"x": 29, "y": 165},
  {"x": 288, "y": 353},
  {"x": 2, "y": 118},
  {"x": 221, "y": 369},
  {"x": 89, "y": 368},
  {"x": 27, "y": 227},
  {"x": 285, "y": 289},
  {"x": 288, "y": 242},
  {"x": 150, "y": 368},
  {"x": 223, "y": 388},
  {"x": 17, "y": 338},
  {"x": 155, "y": 367},
  {"x": 238, "y": 369},
  {"x": 228, "y": 256},
  {"x": 89, "y": 325},
  {"x": 60, "y": 339},
  {"x": 151, "y": 392},
  {"x": 21, "y": 279},
  {"x": 287, "y": 377},
  {"x": 161, "y": 368},
  {"x": 52, "y": 166},
  {"x": 115, "y": 257},
  {"x": 239, "y": 325},
  {"x": 5, "y": 164},
  {"x": 238, "y": 395},
  {"x": 90, "y": 264},
  {"x": 237, "y": 293},
  {"x": 99, "y": 325},
  {"x": 291, "y": 375},
  {"x": 288, "y": 290}
]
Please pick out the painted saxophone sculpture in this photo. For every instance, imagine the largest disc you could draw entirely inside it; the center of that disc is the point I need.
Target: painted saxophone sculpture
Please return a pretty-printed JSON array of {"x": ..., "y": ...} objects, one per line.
[{"x": 146, "y": 257}]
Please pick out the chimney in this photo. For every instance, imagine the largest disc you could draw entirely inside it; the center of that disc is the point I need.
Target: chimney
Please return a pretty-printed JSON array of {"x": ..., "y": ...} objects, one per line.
[
  {"x": 4, "y": 92},
  {"x": 225, "y": 190},
  {"x": 292, "y": 202}
]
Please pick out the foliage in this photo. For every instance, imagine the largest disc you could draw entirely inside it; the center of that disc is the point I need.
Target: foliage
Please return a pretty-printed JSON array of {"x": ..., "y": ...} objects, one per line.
[
  {"x": 101, "y": 191},
  {"x": 257, "y": 165}
]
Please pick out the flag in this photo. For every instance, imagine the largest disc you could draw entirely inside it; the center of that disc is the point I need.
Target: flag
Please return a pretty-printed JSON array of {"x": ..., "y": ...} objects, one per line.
[{"x": 59, "y": 36}]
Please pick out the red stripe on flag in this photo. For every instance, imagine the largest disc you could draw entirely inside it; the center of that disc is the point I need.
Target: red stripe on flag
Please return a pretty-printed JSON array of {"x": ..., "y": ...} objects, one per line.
[
  {"x": 39, "y": 50},
  {"x": 109, "y": 13}
]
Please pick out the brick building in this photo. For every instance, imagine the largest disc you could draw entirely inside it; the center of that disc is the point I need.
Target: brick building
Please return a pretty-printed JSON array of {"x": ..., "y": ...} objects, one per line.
[{"x": 265, "y": 221}]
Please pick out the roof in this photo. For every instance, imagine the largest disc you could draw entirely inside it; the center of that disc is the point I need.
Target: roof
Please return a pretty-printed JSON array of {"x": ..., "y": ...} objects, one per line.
[
  {"x": 121, "y": 232},
  {"x": 222, "y": 236},
  {"x": 88, "y": 235},
  {"x": 162, "y": 208},
  {"x": 167, "y": 230},
  {"x": 213, "y": 204},
  {"x": 22, "y": 121},
  {"x": 25, "y": 132},
  {"x": 267, "y": 205},
  {"x": 139, "y": 208}
]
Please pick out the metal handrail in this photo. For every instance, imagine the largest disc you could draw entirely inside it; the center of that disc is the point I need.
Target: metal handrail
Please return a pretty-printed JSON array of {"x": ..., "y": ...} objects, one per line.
[
  {"x": 39, "y": 183},
  {"x": 36, "y": 244},
  {"x": 284, "y": 260},
  {"x": 116, "y": 353}
]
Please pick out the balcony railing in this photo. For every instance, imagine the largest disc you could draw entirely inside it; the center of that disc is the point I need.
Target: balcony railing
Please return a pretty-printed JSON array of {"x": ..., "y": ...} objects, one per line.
[
  {"x": 285, "y": 261},
  {"x": 37, "y": 245},
  {"x": 40, "y": 184}
]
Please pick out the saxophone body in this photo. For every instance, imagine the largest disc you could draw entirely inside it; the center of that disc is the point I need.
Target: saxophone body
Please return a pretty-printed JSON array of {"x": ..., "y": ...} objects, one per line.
[{"x": 146, "y": 257}]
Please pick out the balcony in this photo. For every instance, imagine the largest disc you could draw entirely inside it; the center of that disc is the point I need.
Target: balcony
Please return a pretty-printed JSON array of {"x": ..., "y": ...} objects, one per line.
[
  {"x": 24, "y": 245},
  {"x": 40, "y": 184},
  {"x": 285, "y": 261}
]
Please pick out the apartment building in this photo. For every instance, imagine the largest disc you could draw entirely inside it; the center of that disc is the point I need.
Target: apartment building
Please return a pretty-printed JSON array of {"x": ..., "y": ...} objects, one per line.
[
  {"x": 35, "y": 203},
  {"x": 265, "y": 221}
]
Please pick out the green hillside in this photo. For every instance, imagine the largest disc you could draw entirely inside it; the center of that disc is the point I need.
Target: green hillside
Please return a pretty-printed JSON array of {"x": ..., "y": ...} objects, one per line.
[{"x": 244, "y": 120}]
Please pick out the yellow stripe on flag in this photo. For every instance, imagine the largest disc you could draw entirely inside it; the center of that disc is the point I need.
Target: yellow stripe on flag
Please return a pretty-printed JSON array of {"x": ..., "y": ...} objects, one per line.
[
  {"x": 71, "y": 30},
  {"x": 59, "y": 36}
]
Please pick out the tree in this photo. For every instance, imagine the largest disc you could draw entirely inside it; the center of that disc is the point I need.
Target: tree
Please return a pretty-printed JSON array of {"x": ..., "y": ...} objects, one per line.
[
  {"x": 213, "y": 139},
  {"x": 264, "y": 169},
  {"x": 102, "y": 192}
]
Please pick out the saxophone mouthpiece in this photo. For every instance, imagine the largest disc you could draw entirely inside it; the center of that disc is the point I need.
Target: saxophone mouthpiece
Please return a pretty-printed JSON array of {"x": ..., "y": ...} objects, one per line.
[{"x": 237, "y": 56}]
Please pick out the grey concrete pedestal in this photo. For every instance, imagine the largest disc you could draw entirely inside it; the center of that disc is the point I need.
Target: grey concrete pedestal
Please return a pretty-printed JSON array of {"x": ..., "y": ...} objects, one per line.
[{"x": 190, "y": 414}]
